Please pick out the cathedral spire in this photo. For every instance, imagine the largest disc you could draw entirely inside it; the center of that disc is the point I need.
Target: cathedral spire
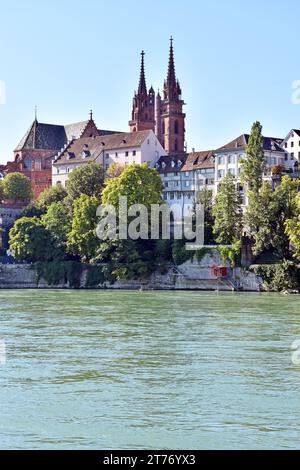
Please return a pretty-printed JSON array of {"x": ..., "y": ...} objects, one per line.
[
  {"x": 171, "y": 67},
  {"x": 142, "y": 84}
]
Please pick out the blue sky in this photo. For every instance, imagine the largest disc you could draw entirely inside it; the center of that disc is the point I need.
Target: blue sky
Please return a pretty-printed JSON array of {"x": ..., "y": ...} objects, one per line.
[{"x": 236, "y": 62}]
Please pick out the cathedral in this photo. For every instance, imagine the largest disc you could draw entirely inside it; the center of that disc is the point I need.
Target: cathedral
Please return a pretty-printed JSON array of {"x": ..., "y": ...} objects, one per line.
[
  {"x": 35, "y": 153},
  {"x": 164, "y": 115}
]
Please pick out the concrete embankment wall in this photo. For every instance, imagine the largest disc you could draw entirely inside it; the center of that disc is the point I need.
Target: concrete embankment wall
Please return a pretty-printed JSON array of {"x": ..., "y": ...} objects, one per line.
[{"x": 192, "y": 275}]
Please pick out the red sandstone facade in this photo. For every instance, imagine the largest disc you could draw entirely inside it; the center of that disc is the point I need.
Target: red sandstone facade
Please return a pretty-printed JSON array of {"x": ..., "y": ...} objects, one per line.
[{"x": 164, "y": 116}]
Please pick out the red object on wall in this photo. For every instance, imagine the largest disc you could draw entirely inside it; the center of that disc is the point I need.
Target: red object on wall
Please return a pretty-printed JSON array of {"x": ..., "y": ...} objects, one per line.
[{"x": 220, "y": 271}]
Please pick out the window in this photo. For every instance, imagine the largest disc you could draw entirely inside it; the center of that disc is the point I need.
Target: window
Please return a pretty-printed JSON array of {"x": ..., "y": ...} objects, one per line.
[
  {"x": 176, "y": 146},
  {"x": 292, "y": 143},
  {"x": 107, "y": 166},
  {"x": 187, "y": 173},
  {"x": 292, "y": 155},
  {"x": 57, "y": 171},
  {"x": 107, "y": 155},
  {"x": 134, "y": 153},
  {"x": 165, "y": 196},
  {"x": 166, "y": 184},
  {"x": 126, "y": 154},
  {"x": 285, "y": 145},
  {"x": 148, "y": 141},
  {"x": 179, "y": 195},
  {"x": 176, "y": 183},
  {"x": 187, "y": 183},
  {"x": 116, "y": 154},
  {"x": 171, "y": 195},
  {"x": 176, "y": 127},
  {"x": 285, "y": 156}
]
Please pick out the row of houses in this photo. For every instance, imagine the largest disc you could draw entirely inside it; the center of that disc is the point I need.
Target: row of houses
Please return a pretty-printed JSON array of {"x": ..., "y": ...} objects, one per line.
[{"x": 184, "y": 174}]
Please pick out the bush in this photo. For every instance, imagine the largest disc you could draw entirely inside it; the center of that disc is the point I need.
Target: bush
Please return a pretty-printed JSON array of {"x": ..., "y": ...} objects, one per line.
[
  {"x": 58, "y": 272},
  {"x": 280, "y": 276},
  {"x": 179, "y": 253}
]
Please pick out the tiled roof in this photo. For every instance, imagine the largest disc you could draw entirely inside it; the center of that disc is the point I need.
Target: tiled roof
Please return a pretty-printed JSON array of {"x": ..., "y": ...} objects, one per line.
[
  {"x": 170, "y": 164},
  {"x": 52, "y": 136},
  {"x": 89, "y": 148},
  {"x": 199, "y": 160},
  {"x": 74, "y": 131},
  {"x": 269, "y": 143},
  {"x": 43, "y": 136}
]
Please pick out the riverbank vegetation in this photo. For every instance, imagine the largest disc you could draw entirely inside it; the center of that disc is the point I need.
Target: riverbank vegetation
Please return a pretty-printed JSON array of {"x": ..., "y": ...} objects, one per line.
[{"x": 262, "y": 215}]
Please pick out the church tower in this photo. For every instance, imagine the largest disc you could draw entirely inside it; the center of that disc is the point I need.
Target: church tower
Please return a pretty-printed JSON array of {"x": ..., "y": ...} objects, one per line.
[
  {"x": 143, "y": 109},
  {"x": 171, "y": 128}
]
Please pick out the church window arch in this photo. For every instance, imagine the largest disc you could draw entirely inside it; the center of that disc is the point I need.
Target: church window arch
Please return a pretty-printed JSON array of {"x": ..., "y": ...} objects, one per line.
[{"x": 176, "y": 127}]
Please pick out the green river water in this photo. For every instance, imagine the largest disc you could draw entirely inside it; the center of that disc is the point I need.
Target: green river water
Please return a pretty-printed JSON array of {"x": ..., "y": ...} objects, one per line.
[{"x": 145, "y": 370}]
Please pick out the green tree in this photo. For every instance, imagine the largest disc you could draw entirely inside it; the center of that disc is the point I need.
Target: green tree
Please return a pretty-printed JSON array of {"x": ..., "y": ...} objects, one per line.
[
  {"x": 82, "y": 240},
  {"x": 114, "y": 170},
  {"x": 30, "y": 241},
  {"x": 253, "y": 165},
  {"x": 127, "y": 259},
  {"x": 267, "y": 214},
  {"x": 32, "y": 210},
  {"x": 205, "y": 197},
  {"x": 1, "y": 191},
  {"x": 293, "y": 227},
  {"x": 141, "y": 185},
  {"x": 17, "y": 187},
  {"x": 52, "y": 194},
  {"x": 227, "y": 212},
  {"x": 57, "y": 221},
  {"x": 87, "y": 179}
]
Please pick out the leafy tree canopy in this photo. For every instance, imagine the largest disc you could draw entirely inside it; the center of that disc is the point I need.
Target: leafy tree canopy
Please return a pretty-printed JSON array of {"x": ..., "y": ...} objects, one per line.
[
  {"x": 57, "y": 221},
  {"x": 253, "y": 165},
  {"x": 227, "y": 212},
  {"x": 30, "y": 241},
  {"x": 86, "y": 179},
  {"x": 52, "y": 194},
  {"x": 17, "y": 187},
  {"x": 82, "y": 239},
  {"x": 141, "y": 185}
]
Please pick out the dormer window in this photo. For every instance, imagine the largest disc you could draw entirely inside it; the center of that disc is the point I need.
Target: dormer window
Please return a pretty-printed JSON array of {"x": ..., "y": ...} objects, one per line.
[
  {"x": 70, "y": 155},
  {"x": 163, "y": 165},
  {"x": 172, "y": 164},
  {"x": 179, "y": 163},
  {"x": 86, "y": 153}
]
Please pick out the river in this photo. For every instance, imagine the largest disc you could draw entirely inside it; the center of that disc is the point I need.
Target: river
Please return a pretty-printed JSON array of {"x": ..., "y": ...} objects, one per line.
[{"x": 148, "y": 370}]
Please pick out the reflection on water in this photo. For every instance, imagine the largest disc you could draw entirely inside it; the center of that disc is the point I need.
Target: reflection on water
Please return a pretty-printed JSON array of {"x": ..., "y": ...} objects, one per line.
[{"x": 104, "y": 369}]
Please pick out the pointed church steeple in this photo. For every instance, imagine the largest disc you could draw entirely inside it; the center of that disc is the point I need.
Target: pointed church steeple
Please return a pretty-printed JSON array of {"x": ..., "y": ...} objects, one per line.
[
  {"x": 170, "y": 118},
  {"x": 142, "y": 116},
  {"x": 171, "y": 79},
  {"x": 142, "y": 85}
]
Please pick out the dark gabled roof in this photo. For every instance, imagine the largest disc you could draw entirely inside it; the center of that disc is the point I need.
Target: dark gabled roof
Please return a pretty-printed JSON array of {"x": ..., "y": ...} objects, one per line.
[
  {"x": 43, "y": 136},
  {"x": 297, "y": 131},
  {"x": 170, "y": 164},
  {"x": 87, "y": 149},
  {"x": 269, "y": 143},
  {"x": 54, "y": 137},
  {"x": 50, "y": 136},
  {"x": 199, "y": 160}
]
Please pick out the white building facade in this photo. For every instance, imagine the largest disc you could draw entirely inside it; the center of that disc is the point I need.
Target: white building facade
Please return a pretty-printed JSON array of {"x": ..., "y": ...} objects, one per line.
[{"x": 122, "y": 148}]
